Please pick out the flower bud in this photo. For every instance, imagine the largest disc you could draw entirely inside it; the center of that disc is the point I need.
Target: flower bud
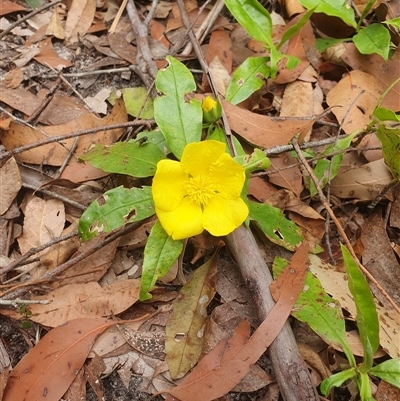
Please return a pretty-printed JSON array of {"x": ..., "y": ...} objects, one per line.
[{"x": 212, "y": 110}]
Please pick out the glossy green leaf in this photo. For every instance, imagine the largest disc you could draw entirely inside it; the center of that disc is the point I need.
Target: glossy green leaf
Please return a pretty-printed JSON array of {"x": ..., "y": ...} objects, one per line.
[
  {"x": 321, "y": 312},
  {"x": 160, "y": 253},
  {"x": 374, "y": 38},
  {"x": 275, "y": 226},
  {"x": 296, "y": 27},
  {"x": 335, "y": 8},
  {"x": 337, "y": 380},
  {"x": 254, "y": 18},
  {"x": 383, "y": 114},
  {"x": 367, "y": 317},
  {"x": 364, "y": 386},
  {"x": 120, "y": 206},
  {"x": 390, "y": 139},
  {"x": 322, "y": 44},
  {"x": 323, "y": 168},
  {"x": 247, "y": 79},
  {"x": 388, "y": 371},
  {"x": 394, "y": 22},
  {"x": 137, "y": 159},
  {"x": 179, "y": 119}
]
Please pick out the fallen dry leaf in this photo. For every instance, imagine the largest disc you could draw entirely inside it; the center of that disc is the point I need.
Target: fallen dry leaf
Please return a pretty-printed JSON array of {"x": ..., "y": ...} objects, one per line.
[
  {"x": 186, "y": 325},
  {"x": 354, "y": 98},
  {"x": 54, "y": 154},
  {"x": 76, "y": 301},
  {"x": 10, "y": 184},
  {"x": 221, "y": 369},
  {"x": 264, "y": 131},
  {"x": 80, "y": 18},
  {"x": 49, "y": 368}
]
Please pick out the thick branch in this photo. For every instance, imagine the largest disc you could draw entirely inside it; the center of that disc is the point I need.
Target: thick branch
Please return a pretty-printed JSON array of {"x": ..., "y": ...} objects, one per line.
[{"x": 292, "y": 375}]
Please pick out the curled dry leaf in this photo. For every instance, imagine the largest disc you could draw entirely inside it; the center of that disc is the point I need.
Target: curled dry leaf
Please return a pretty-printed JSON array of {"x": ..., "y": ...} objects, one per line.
[
  {"x": 10, "y": 184},
  {"x": 48, "y": 369},
  {"x": 54, "y": 154}
]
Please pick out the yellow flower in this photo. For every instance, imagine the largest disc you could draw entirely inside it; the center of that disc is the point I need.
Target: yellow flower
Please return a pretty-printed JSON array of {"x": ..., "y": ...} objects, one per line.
[
  {"x": 212, "y": 110},
  {"x": 202, "y": 191}
]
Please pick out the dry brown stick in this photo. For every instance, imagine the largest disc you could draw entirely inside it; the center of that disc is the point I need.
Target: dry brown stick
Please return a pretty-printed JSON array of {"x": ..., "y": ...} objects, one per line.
[
  {"x": 346, "y": 240},
  {"x": 53, "y": 274},
  {"x": 4, "y": 156},
  {"x": 146, "y": 67},
  {"x": 294, "y": 380}
]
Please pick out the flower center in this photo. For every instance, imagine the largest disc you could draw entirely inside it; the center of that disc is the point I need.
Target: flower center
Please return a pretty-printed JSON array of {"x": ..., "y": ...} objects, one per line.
[{"x": 200, "y": 190}]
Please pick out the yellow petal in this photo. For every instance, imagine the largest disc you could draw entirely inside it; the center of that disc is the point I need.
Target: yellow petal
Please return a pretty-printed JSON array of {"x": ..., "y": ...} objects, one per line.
[
  {"x": 227, "y": 176},
  {"x": 168, "y": 185},
  {"x": 198, "y": 156},
  {"x": 222, "y": 216},
  {"x": 183, "y": 222}
]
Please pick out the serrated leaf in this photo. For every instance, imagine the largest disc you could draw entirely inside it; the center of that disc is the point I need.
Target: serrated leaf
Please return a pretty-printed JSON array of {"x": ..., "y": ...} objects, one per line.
[
  {"x": 321, "y": 312},
  {"x": 390, "y": 139},
  {"x": 179, "y": 120},
  {"x": 130, "y": 158},
  {"x": 335, "y": 8},
  {"x": 374, "y": 38},
  {"x": 248, "y": 78},
  {"x": 121, "y": 206},
  {"x": 188, "y": 320},
  {"x": 388, "y": 371},
  {"x": 322, "y": 168},
  {"x": 367, "y": 318},
  {"x": 160, "y": 253},
  {"x": 275, "y": 226}
]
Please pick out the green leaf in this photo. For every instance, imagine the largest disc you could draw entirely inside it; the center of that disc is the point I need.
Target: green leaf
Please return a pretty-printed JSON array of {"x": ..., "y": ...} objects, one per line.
[
  {"x": 121, "y": 206},
  {"x": 335, "y": 8},
  {"x": 374, "y": 38},
  {"x": 275, "y": 226},
  {"x": 130, "y": 158},
  {"x": 248, "y": 78},
  {"x": 364, "y": 386},
  {"x": 390, "y": 139},
  {"x": 322, "y": 44},
  {"x": 383, "y": 114},
  {"x": 296, "y": 27},
  {"x": 394, "y": 22},
  {"x": 156, "y": 138},
  {"x": 160, "y": 253},
  {"x": 256, "y": 161},
  {"x": 337, "y": 380},
  {"x": 254, "y": 18},
  {"x": 134, "y": 99},
  {"x": 179, "y": 119},
  {"x": 34, "y": 3},
  {"x": 321, "y": 312},
  {"x": 388, "y": 371},
  {"x": 322, "y": 167},
  {"x": 367, "y": 318}
]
